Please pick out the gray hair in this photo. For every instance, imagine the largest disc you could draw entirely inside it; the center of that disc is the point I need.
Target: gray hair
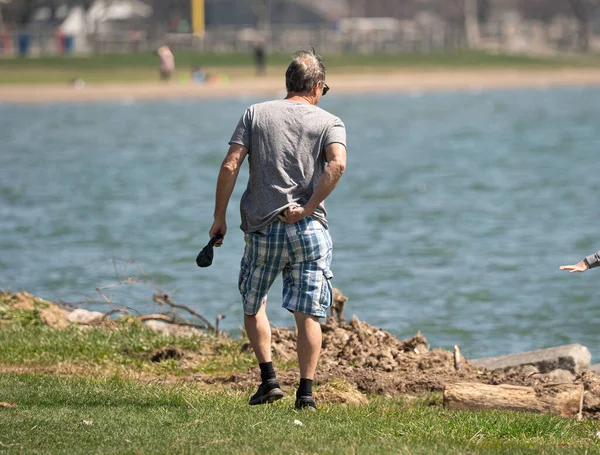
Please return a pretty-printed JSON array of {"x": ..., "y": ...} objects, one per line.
[{"x": 305, "y": 71}]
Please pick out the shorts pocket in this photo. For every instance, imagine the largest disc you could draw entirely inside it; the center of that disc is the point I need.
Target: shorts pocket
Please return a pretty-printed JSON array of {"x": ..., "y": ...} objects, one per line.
[
  {"x": 310, "y": 242},
  {"x": 326, "y": 289},
  {"x": 243, "y": 278}
]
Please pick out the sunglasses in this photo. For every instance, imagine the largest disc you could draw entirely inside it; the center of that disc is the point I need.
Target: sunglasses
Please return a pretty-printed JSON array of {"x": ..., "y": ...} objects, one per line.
[{"x": 325, "y": 89}]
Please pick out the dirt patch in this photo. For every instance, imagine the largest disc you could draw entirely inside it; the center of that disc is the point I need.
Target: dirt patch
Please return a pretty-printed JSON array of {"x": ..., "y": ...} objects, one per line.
[
  {"x": 369, "y": 359},
  {"x": 48, "y": 313},
  {"x": 340, "y": 391},
  {"x": 172, "y": 352}
]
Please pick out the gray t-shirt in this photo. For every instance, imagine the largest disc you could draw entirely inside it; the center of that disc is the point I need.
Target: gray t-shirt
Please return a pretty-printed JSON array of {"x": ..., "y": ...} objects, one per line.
[{"x": 286, "y": 143}]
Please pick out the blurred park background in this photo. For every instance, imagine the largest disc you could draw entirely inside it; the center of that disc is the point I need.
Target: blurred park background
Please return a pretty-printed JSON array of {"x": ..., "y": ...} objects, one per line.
[
  {"x": 50, "y": 27},
  {"x": 229, "y": 33}
]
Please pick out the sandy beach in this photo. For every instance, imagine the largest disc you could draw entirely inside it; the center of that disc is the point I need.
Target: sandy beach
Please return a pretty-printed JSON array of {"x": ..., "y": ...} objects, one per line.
[{"x": 271, "y": 86}]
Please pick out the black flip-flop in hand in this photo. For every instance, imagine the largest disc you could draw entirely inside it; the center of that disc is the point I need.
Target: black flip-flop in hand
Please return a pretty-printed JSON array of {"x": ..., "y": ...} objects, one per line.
[{"x": 205, "y": 257}]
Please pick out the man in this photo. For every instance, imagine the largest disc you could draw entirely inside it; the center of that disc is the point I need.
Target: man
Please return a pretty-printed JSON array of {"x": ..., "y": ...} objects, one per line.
[
  {"x": 589, "y": 262},
  {"x": 297, "y": 154}
]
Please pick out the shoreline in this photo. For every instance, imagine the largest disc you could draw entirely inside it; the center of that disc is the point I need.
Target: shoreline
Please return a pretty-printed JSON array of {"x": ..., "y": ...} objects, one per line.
[{"x": 400, "y": 81}]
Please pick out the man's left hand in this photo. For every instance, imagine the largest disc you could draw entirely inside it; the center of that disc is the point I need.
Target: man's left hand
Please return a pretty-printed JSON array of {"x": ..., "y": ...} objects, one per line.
[{"x": 294, "y": 213}]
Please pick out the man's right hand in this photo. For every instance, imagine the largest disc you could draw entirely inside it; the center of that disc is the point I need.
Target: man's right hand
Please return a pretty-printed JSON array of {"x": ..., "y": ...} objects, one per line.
[{"x": 219, "y": 227}]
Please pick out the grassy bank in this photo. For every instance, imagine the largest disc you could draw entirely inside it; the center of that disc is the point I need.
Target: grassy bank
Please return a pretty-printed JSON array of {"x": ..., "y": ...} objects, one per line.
[
  {"x": 143, "y": 66},
  {"x": 102, "y": 390},
  {"x": 127, "y": 347},
  {"x": 50, "y": 414}
]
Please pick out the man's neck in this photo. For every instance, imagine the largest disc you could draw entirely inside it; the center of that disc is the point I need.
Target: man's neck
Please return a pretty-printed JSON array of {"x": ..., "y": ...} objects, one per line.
[{"x": 300, "y": 98}]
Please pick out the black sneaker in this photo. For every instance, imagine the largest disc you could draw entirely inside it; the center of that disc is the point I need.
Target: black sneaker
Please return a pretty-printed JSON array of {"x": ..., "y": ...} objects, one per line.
[
  {"x": 306, "y": 402},
  {"x": 267, "y": 392}
]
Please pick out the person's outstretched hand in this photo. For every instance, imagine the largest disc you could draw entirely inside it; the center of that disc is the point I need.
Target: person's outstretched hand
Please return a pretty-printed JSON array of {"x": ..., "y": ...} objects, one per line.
[
  {"x": 293, "y": 214},
  {"x": 581, "y": 266}
]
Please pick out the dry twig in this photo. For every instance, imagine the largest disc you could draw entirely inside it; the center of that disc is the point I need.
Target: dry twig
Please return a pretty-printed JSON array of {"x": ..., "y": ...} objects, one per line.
[{"x": 162, "y": 298}]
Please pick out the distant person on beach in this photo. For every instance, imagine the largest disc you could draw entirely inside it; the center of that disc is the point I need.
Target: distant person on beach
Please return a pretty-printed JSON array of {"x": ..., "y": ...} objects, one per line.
[
  {"x": 166, "y": 66},
  {"x": 260, "y": 57},
  {"x": 77, "y": 83},
  {"x": 5, "y": 44},
  {"x": 586, "y": 263},
  {"x": 199, "y": 75},
  {"x": 297, "y": 155}
]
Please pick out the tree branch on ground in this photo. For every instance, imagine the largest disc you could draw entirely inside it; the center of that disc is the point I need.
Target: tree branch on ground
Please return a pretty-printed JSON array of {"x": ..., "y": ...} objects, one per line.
[{"x": 173, "y": 313}]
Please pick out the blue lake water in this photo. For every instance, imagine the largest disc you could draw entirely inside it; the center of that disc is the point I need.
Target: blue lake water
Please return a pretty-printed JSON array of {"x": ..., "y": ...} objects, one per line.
[{"x": 455, "y": 212}]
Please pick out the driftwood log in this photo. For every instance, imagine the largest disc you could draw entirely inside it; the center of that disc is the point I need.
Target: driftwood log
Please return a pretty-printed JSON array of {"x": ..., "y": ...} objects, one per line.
[{"x": 560, "y": 399}]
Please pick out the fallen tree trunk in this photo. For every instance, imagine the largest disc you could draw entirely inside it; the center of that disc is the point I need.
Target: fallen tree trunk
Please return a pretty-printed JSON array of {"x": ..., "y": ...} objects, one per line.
[{"x": 559, "y": 399}]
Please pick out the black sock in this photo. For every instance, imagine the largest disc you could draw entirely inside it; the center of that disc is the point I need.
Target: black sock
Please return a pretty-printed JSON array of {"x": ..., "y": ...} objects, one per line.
[
  {"x": 305, "y": 388},
  {"x": 267, "y": 371}
]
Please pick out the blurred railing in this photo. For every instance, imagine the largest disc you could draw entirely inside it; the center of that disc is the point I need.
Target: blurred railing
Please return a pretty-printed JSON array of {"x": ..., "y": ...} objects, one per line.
[
  {"x": 45, "y": 41},
  {"x": 410, "y": 37}
]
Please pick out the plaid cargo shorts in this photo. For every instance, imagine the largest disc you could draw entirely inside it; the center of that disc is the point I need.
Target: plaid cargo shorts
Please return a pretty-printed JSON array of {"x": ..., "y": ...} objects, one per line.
[{"x": 302, "y": 253}]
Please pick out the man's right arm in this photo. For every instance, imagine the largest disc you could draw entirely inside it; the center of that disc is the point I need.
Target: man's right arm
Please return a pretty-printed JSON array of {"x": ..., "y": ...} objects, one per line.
[{"x": 225, "y": 184}]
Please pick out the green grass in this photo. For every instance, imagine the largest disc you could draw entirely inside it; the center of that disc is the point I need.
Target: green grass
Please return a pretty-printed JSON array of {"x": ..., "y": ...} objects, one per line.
[
  {"x": 25, "y": 343},
  {"x": 100, "y": 411},
  {"x": 143, "y": 66},
  {"x": 54, "y": 414}
]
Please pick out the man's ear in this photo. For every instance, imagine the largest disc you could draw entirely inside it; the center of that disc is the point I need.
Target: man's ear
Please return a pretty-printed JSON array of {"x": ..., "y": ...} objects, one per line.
[{"x": 315, "y": 90}]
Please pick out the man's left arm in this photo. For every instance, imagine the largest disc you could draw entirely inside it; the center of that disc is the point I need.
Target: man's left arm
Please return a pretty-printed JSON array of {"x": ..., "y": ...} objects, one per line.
[
  {"x": 228, "y": 174},
  {"x": 335, "y": 154}
]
